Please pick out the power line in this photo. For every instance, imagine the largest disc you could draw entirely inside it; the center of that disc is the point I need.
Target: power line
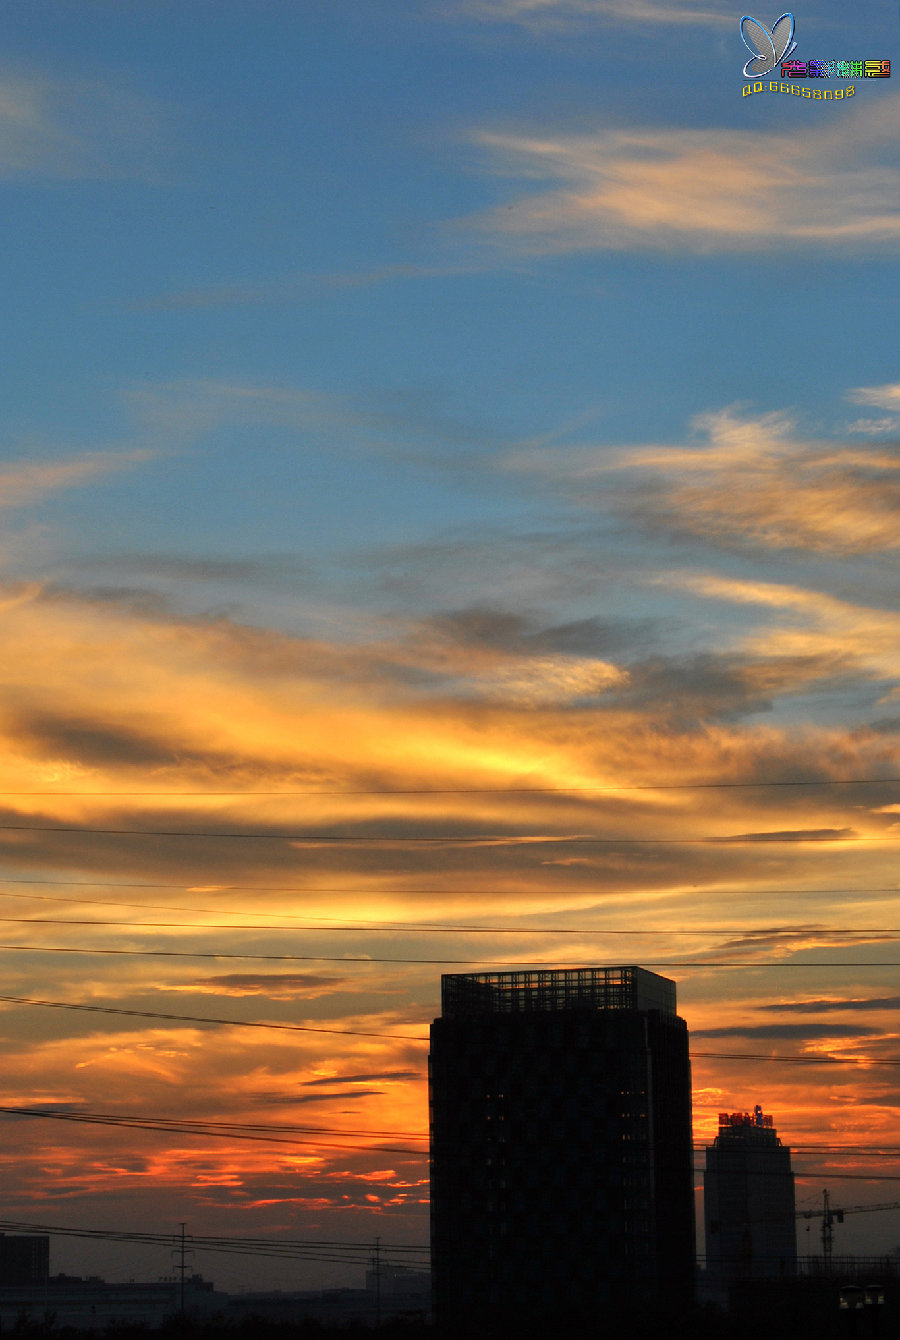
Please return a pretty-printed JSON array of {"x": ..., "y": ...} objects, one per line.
[
  {"x": 281, "y": 1135},
  {"x": 259, "y": 1130},
  {"x": 427, "y": 928},
  {"x": 792, "y": 1059},
  {"x": 405, "y": 928},
  {"x": 262, "y": 1130},
  {"x": 502, "y": 839},
  {"x": 224, "y": 1128},
  {"x": 356, "y": 925},
  {"x": 829, "y": 1151},
  {"x": 232, "y": 1129},
  {"x": 344, "y": 1251},
  {"x": 346, "y": 959},
  {"x": 193, "y": 925},
  {"x": 356, "y": 888},
  {"x": 197, "y": 1128},
  {"x": 747, "y": 964},
  {"x": 826, "y": 1175},
  {"x": 267, "y": 958},
  {"x": 795, "y": 1059},
  {"x": 201, "y": 1019},
  {"x": 753, "y": 964},
  {"x": 481, "y": 790}
]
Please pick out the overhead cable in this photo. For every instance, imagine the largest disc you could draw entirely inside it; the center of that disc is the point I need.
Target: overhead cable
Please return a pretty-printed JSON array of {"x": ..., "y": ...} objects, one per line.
[
  {"x": 480, "y": 790},
  {"x": 797, "y": 1059},
  {"x": 360, "y": 1252},
  {"x": 747, "y": 964},
  {"x": 204, "y": 1019},
  {"x": 430, "y": 891},
  {"x": 776, "y": 837},
  {"x": 188, "y": 1128}
]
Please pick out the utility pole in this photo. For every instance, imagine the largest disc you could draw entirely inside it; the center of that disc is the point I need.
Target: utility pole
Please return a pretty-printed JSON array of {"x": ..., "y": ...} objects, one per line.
[
  {"x": 181, "y": 1266},
  {"x": 377, "y": 1264}
]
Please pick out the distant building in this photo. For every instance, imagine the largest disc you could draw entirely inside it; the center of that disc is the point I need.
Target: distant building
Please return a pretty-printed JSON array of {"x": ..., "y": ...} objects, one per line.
[
  {"x": 24, "y": 1260},
  {"x": 390, "y": 1281},
  {"x": 93, "y": 1304},
  {"x": 561, "y": 1180},
  {"x": 749, "y": 1202}
]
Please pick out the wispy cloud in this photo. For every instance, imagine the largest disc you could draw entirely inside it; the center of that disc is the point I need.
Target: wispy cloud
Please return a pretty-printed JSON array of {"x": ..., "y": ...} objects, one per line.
[
  {"x": 829, "y": 1005},
  {"x": 883, "y": 427},
  {"x": 182, "y": 410},
  {"x": 272, "y": 986},
  {"x": 178, "y": 413},
  {"x": 753, "y": 484},
  {"x": 24, "y": 482},
  {"x": 787, "y": 1032},
  {"x": 292, "y": 287},
  {"x": 385, "y": 1076},
  {"x": 880, "y": 397},
  {"x": 548, "y": 14},
  {"x": 829, "y": 634},
  {"x": 260, "y": 569},
  {"x": 71, "y": 130},
  {"x": 703, "y": 190},
  {"x": 791, "y": 835}
]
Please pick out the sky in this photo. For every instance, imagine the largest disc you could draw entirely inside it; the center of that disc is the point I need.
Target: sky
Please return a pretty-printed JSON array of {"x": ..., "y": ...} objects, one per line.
[{"x": 450, "y": 483}]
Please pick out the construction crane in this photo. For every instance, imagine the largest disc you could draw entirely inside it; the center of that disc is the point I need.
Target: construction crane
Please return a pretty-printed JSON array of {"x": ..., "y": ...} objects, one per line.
[{"x": 831, "y": 1216}]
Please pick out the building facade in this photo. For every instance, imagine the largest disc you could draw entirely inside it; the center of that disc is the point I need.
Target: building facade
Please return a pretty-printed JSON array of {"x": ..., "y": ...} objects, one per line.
[
  {"x": 560, "y": 1109},
  {"x": 749, "y": 1207}
]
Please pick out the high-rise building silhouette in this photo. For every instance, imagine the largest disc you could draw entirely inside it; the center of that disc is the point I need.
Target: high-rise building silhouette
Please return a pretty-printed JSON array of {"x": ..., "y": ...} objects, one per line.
[
  {"x": 561, "y": 1178},
  {"x": 749, "y": 1207}
]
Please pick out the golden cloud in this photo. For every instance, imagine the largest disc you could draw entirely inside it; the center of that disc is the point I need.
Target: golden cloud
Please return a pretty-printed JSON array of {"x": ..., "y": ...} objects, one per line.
[
  {"x": 703, "y": 190},
  {"x": 163, "y": 726}
]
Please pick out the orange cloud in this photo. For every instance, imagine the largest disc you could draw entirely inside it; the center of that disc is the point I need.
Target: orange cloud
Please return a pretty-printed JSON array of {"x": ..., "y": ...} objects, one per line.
[{"x": 138, "y": 714}]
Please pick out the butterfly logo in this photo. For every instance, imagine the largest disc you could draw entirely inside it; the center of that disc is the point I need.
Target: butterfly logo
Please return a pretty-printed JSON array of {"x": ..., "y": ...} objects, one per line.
[{"x": 769, "y": 48}]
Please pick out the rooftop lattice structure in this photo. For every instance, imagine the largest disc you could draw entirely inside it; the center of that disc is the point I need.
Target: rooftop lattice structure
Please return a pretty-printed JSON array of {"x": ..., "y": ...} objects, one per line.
[{"x": 539, "y": 989}]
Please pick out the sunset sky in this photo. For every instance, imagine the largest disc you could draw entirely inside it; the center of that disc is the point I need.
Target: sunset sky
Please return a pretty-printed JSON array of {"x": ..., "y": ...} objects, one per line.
[{"x": 450, "y": 490}]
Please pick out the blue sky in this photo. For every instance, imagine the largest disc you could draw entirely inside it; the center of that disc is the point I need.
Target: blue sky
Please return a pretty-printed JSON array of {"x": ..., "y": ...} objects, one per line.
[
  {"x": 413, "y": 397},
  {"x": 328, "y": 224}
]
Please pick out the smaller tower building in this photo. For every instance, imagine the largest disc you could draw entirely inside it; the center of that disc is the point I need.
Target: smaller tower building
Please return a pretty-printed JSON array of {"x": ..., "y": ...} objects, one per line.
[{"x": 749, "y": 1206}]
